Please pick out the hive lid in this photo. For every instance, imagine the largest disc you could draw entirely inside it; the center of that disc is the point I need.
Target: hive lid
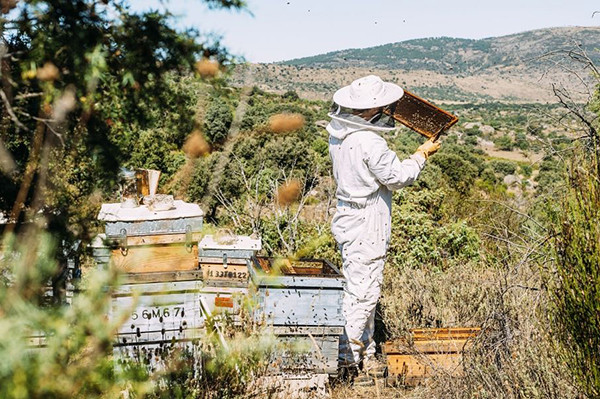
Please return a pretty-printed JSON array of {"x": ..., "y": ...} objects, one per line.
[
  {"x": 233, "y": 242},
  {"x": 115, "y": 213}
]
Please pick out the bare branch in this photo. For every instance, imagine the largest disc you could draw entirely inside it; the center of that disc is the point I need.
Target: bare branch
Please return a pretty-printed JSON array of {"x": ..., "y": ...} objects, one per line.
[
  {"x": 28, "y": 95},
  {"x": 10, "y": 111}
]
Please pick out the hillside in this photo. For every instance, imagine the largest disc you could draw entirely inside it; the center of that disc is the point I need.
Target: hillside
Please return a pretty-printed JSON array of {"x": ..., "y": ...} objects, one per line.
[
  {"x": 457, "y": 56},
  {"x": 515, "y": 68}
]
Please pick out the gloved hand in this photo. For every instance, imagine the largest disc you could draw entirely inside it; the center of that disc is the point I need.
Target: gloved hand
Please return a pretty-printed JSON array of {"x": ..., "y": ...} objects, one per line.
[{"x": 427, "y": 148}]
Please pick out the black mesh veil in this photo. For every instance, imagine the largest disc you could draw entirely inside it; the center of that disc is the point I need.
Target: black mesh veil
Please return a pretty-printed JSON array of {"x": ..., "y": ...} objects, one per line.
[{"x": 381, "y": 119}]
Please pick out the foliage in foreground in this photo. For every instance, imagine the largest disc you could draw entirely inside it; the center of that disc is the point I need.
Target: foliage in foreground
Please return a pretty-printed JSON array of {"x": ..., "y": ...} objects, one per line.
[
  {"x": 576, "y": 287},
  {"x": 63, "y": 351},
  {"x": 70, "y": 356}
]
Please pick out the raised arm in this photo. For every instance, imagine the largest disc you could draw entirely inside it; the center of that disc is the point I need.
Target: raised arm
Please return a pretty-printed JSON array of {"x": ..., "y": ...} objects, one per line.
[{"x": 389, "y": 170}]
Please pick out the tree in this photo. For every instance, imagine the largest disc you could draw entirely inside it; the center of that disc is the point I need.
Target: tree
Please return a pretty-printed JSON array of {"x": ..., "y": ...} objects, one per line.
[
  {"x": 504, "y": 143},
  {"x": 81, "y": 81},
  {"x": 217, "y": 121}
]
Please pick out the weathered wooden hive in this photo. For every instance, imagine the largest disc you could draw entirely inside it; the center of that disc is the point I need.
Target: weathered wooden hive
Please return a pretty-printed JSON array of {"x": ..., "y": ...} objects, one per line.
[
  {"x": 174, "y": 278},
  {"x": 428, "y": 351},
  {"x": 301, "y": 302},
  {"x": 146, "y": 241},
  {"x": 223, "y": 263},
  {"x": 167, "y": 289},
  {"x": 159, "y": 298}
]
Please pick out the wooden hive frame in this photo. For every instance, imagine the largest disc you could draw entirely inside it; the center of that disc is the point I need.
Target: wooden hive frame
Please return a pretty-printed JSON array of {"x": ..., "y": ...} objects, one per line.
[
  {"x": 426, "y": 352},
  {"x": 422, "y": 116}
]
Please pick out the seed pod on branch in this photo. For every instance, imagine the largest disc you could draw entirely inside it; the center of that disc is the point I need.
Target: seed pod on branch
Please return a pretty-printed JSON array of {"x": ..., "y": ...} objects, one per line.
[
  {"x": 64, "y": 104},
  {"x": 7, "y": 5},
  {"x": 207, "y": 68},
  {"x": 49, "y": 72},
  {"x": 196, "y": 145},
  {"x": 288, "y": 192},
  {"x": 283, "y": 123}
]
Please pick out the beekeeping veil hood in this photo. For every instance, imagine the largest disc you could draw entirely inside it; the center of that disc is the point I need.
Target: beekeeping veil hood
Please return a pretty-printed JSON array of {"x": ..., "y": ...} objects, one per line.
[{"x": 363, "y": 94}]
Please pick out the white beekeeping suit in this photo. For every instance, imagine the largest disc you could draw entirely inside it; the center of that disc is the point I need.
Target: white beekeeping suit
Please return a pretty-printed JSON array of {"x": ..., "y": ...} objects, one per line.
[{"x": 366, "y": 172}]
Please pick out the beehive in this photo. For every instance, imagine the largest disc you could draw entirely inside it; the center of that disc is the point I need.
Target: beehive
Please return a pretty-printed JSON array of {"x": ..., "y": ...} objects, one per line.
[
  {"x": 301, "y": 301},
  {"x": 224, "y": 260},
  {"x": 429, "y": 351},
  {"x": 166, "y": 308},
  {"x": 301, "y": 293},
  {"x": 145, "y": 241},
  {"x": 122, "y": 222},
  {"x": 157, "y": 309}
]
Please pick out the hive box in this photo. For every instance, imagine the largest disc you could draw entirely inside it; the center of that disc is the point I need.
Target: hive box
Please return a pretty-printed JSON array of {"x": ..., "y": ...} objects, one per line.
[
  {"x": 429, "y": 351},
  {"x": 301, "y": 293},
  {"x": 224, "y": 260},
  {"x": 162, "y": 311},
  {"x": 140, "y": 221},
  {"x": 156, "y": 312},
  {"x": 145, "y": 241},
  {"x": 301, "y": 302}
]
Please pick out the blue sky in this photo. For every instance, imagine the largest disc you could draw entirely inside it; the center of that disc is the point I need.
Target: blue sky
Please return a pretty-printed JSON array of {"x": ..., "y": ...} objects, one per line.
[{"x": 285, "y": 29}]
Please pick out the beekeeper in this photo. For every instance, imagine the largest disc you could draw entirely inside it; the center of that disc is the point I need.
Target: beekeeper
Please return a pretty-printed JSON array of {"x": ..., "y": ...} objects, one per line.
[{"x": 366, "y": 172}]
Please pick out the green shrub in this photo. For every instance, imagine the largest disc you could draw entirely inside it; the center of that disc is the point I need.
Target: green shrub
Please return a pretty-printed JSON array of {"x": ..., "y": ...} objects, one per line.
[
  {"x": 472, "y": 131},
  {"x": 521, "y": 141},
  {"x": 460, "y": 173},
  {"x": 471, "y": 141},
  {"x": 503, "y": 167},
  {"x": 217, "y": 121},
  {"x": 526, "y": 170},
  {"x": 75, "y": 360},
  {"x": 504, "y": 143},
  {"x": 489, "y": 176}
]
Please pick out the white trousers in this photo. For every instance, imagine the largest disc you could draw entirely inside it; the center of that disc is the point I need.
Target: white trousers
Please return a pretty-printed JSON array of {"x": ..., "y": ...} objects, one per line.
[{"x": 362, "y": 232}]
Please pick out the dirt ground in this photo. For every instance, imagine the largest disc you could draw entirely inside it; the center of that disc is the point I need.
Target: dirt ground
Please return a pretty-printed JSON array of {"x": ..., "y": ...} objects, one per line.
[{"x": 516, "y": 156}]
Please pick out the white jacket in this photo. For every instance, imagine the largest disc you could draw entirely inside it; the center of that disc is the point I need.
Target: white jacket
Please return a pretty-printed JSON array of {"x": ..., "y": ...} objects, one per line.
[{"x": 362, "y": 162}]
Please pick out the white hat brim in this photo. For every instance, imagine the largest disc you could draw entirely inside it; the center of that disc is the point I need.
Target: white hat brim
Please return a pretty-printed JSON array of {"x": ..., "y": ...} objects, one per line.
[{"x": 392, "y": 93}]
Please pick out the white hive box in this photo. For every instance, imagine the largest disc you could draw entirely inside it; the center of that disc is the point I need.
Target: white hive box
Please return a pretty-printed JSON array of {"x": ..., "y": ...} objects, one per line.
[
  {"x": 146, "y": 241},
  {"x": 224, "y": 260},
  {"x": 140, "y": 221}
]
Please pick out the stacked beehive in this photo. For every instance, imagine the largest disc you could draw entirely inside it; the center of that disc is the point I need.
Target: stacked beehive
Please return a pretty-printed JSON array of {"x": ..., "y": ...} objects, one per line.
[
  {"x": 166, "y": 293},
  {"x": 301, "y": 302},
  {"x": 174, "y": 278}
]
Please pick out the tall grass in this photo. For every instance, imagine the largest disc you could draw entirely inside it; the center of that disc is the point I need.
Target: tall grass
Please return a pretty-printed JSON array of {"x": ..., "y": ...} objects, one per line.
[{"x": 576, "y": 286}]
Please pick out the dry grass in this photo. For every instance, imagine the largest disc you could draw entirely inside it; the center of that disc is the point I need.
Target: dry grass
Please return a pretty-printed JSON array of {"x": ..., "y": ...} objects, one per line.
[{"x": 513, "y": 357}]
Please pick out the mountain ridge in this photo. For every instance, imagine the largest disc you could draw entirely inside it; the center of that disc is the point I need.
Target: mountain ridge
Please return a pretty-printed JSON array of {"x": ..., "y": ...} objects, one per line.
[
  {"x": 520, "y": 67},
  {"x": 459, "y": 55}
]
